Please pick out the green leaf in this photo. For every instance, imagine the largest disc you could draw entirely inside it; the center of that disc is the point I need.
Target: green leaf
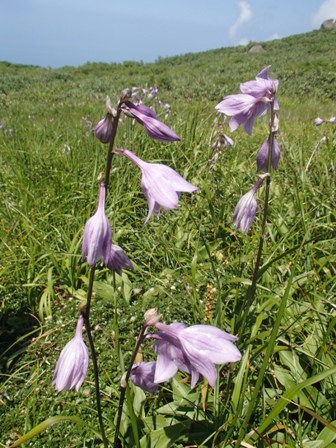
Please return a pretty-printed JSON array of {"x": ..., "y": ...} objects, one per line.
[
  {"x": 50, "y": 422},
  {"x": 165, "y": 437},
  {"x": 289, "y": 395},
  {"x": 328, "y": 435}
]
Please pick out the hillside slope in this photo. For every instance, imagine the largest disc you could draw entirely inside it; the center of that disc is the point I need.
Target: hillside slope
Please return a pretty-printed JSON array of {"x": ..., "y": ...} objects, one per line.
[{"x": 305, "y": 64}]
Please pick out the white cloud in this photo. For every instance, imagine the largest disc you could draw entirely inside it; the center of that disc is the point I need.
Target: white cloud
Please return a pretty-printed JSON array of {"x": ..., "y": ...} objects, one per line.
[
  {"x": 245, "y": 15},
  {"x": 274, "y": 36},
  {"x": 327, "y": 10},
  {"x": 243, "y": 41}
]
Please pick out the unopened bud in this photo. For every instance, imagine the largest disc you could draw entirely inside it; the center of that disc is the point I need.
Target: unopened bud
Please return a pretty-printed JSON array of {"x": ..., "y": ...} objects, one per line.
[
  {"x": 151, "y": 317},
  {"x": 275, "y": 126},
  {"x": 123, "y": 383},
  {"x": 109, "y": 108},
  {"x": 125, "y": 95}
]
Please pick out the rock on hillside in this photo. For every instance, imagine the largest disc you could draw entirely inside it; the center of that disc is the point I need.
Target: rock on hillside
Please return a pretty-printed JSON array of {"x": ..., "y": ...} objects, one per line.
[{"x": 328, "y": 24}]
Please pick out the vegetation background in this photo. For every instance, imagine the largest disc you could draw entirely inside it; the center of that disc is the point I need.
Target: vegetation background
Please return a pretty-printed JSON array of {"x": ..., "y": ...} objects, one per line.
[{"x": 185, "y": 260}]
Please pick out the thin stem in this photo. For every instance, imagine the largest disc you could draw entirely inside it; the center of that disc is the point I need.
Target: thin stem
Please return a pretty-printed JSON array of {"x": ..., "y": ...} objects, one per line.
[
  {"x": 115, "y": 324},
  {"x": 93, "y": 354},
  {"x": 124, "y": 383},
  {"x": 111, "y": 145},
  {"x": 252, "y": 289}
]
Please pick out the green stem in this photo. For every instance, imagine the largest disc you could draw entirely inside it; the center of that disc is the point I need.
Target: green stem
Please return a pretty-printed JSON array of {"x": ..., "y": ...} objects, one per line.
[
  {"x": 86, "y": 315},
  {"x": 111, "y": 145},
  {"x": 115, "y": 324},
  {"x": 124, "y": 383},
  {"x": 256, "y": 391},
  {"x": 252, "y": 289}
]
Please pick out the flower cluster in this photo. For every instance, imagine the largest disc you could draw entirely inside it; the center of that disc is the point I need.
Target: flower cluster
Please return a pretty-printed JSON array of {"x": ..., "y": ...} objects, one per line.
[
  {"x": 220, "y": 142},
  {"x": 162, "y": 187},
  {"x": 253, "y": 102},
  {"x": 194, "y": 350},
  {"x": 144, "y": 115},
  {"x": 256, "y": 97},
  {"x": 318, "y": 121}
]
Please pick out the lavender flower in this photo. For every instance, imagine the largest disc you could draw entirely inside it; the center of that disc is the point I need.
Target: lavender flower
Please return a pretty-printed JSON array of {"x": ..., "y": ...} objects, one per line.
[
  {"x": 160, "y": 183},
  {"x": 73, "y": 362},
  {"x": 103, "y": 129},
  {"x": 152, "y": 125},
  {"x": 142, "y": 375},
  {"x": 262, "y": 157},
  {"x": 253, "y": 102},
  {"x": 97, "y": 239},
  {"x": 194, "y": 349},
  {"x": 118, "y": 260},
  {"x": 332, "y": 119},
  {"x": 221, "y": 141},
  {"x": 153, "y": 91},
  {"x": 318, "y": 121},
  {"x": 246, "y": 208}
]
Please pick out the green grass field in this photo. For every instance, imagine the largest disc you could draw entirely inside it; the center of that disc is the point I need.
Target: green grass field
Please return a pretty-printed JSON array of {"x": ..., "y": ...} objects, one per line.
[{"x": 283, "y": 391}]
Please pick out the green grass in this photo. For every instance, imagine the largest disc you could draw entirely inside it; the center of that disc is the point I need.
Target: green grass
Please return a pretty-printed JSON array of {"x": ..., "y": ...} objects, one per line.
[{"x": 285, "y": 383}]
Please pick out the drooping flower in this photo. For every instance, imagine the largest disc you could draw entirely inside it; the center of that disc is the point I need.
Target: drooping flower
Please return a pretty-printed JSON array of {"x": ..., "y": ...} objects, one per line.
[
  {"x": 152, "y": 125},
  {"x": 142, "y": 375},
  {"x": 97, "y": 239},
  {"x": 221, "y": 141},
  {"x": 103, "y": 129},
  {"x": 160, "y": 183},
  {"x": 253, "y": 102},
  {"x": 262, "y": 157},
  {"x": 246, "y": 208},
  {"x": 262, "y": 87},
  {"x": 118, "y": 260},
  {"x": 72, "y": 365},
  {"x": 195, "y": 350}
]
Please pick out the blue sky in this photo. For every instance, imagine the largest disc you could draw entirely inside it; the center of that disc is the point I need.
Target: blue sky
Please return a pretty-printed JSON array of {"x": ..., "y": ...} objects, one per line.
[{"x": 54, "y": 33}]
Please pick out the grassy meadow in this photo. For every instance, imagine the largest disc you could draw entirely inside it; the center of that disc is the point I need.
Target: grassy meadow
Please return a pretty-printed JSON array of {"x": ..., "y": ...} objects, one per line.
[{"x": 190, "y": 263}]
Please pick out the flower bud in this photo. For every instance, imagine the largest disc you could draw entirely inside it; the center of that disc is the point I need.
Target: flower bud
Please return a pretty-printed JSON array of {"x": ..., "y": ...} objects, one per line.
[
  {"x": 151, "y": 318},
  {"x": 125, "y": 95}
]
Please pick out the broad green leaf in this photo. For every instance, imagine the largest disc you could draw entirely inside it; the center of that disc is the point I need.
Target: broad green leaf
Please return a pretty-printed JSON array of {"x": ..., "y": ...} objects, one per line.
[{"x": 165, "y": 437}]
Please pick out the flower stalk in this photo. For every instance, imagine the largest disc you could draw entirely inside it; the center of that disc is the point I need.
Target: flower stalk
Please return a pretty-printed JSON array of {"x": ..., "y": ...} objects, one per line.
[
  {"x": 111, "y": 145},
  {"x": 94, "y": 355},
  {"x": 124, "y": 383},
  {"x": 91, "y": 280},
  {"x": 252, "y": 288}
]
